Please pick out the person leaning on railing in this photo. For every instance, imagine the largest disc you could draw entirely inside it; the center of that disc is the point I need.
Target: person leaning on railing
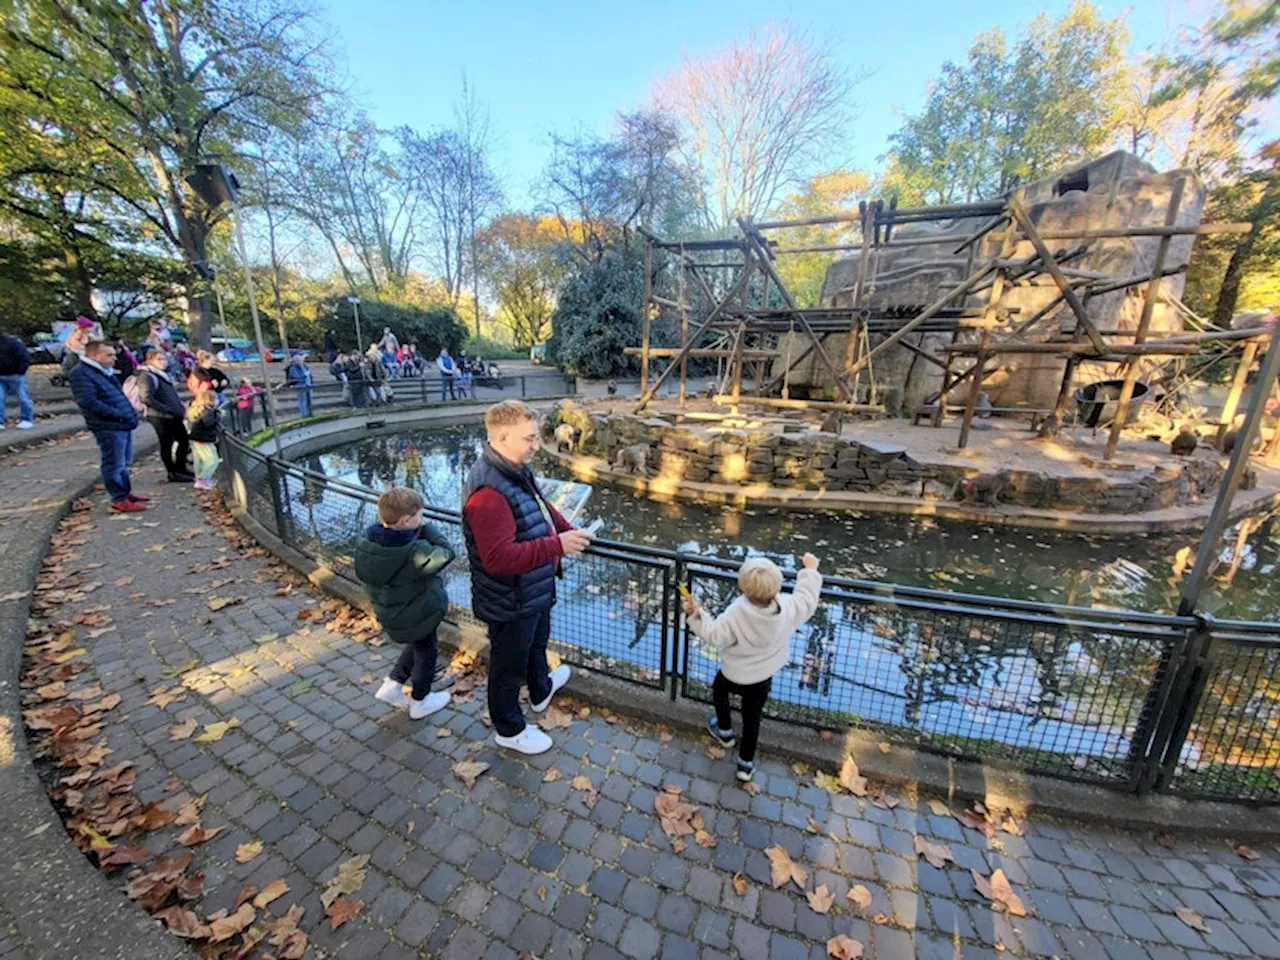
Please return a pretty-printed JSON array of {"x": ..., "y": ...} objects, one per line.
[{"x": 515, "y": 542}]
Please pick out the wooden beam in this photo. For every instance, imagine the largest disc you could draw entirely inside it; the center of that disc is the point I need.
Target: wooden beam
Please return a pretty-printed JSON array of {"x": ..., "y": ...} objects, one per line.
[
  {"x": 1144, "y": 321},
  {"x": 1228, "y": 414},
  {"x": 1020, "y": 214},
  {"x": 1152, "y": 348},
  {"x": 659, "y": 353},
  {"x": 800, "y": 404},
  {"x": 645, "y": 322},
  {"x": 1102, "y": 233},
  {"x": 1007, "y": 247}
]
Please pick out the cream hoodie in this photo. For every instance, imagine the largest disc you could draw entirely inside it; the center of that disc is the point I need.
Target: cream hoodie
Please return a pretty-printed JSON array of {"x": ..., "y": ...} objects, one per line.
[{"x": 753, "y": 641}]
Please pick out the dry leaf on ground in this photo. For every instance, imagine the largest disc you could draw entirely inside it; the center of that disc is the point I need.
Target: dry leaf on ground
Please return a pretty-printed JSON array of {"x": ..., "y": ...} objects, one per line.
[
  {"x": 468, "y": 770},
  {"x": 272, "y": 891},
  {"x": 936, "y": 853},
  {"x": 183, "y": 923},
  {"x": 342, "y": 911},
  {"x": 1248, "y": 852},
  {"x": 443, "y": 732},
  {"x": 581, "y": 782},
  {"x": 222, "y": 927},
  {"x": 844, "y": 948},
  {"x": 213, "y": 732},
  {"x": 247, "y": 851},
  {"x": 939, "y": 808},
  {"x": 554, "y": 719},
  {"x": 998, "y": 890},
  {"x": 783, "y": 869},
  {"x": 551, "y": 775},
  {"x": 859, "y": 896},
  {"x": 821, "y": 900},
  {"x": 851, "y": 779},
  {"x": 675, "y": 815},
  {"x": 189, "y": 812},
  {"x": 715, "y": 753},
  {"x": 740, "y": 885},
  {"x": 350, "y": 879},
  {"x": 1192, "y": 919},
  {"x": 196, "y": 834},
  {"x": 826, "y": 781}
]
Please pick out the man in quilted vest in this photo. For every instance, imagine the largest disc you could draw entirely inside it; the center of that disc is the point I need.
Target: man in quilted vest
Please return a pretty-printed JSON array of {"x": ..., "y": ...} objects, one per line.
[{"x": 515, "y": 542}]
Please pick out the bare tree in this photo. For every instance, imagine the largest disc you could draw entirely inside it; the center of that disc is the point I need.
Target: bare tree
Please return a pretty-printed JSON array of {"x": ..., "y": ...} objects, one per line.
[
  {"x": 483, "y": 191},
  {"x": 756, "y": 118},
  {"x": 436, "y": 165}
]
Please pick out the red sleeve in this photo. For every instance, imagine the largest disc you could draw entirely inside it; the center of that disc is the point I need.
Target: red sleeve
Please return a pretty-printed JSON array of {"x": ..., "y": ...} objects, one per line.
[
  {"x": 561, "y": 523},
  {"x": 494, "y": 528}
]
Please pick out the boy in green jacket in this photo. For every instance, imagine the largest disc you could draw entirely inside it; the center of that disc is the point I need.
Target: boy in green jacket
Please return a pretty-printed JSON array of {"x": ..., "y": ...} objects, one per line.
[{"x": 398, "y": 561}]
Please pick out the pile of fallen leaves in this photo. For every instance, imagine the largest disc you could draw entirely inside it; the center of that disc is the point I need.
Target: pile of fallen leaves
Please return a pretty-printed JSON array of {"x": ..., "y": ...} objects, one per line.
[
  {"x": 681, "y": 819},
  {"x": 65, "y": 717}
]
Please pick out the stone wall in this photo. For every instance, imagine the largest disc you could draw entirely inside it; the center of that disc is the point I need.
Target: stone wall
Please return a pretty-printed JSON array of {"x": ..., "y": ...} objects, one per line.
[{"x": 814, "y": 460}]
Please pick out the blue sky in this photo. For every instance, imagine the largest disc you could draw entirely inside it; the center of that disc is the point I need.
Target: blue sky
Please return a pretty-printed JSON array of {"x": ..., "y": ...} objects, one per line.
[{"x": 562, "y": 65}]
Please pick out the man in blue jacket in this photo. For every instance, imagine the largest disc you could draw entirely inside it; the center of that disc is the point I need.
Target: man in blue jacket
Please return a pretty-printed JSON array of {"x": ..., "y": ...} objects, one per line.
[
  {"x": 14, "y": 361},
  {"x": 111, "y": 419}
]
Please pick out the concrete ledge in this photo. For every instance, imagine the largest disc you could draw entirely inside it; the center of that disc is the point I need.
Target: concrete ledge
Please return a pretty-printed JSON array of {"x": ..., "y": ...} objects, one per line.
[
  {"x": 12, "y": 439},
  {"x": 61, "y": 905},
  {"x": 909, "y": 771},
  {"x": 1168, "y": 520}
]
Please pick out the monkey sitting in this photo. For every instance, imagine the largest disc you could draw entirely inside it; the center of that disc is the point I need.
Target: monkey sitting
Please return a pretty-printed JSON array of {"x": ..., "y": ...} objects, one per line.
[
  {"x": 831, "y": 423},
  {"x": 984, "y": 489},
  {"x": 613, "y": 388},
  {"x": 546, "y": 428},
  {"x": 567, "y": 438},
  {"x": 1184, "y": 444},
  {"x": 982, "y": 407},
  {"x": 1230, "y": 438},
  {"x": 633, "y": 459},
  {"x": 1046, "y": 426},
  {"x": 710, "y": 392}
]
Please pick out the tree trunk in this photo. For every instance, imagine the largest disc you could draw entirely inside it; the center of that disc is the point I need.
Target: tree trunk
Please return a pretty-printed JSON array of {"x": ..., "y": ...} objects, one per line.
[
  {"x": 1259, "y": 217},
  {"x": 199, "y": 316}
]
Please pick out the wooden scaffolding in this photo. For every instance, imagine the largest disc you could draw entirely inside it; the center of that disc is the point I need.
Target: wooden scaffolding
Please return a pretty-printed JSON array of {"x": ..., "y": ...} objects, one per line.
[{"x": 754, "y": 321}]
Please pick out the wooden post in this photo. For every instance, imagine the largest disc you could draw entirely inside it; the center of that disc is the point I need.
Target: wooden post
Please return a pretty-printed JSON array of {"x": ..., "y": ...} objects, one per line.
[
  {"x": 868, "y": 228},
  {"x": 1007, "y": 246},
  {"x": 979, "y": 370},
  {"x": 739, "y": 336},
  {"x": 1237, "y": 388},
  {"x": 648, "y": 305},
  {"x": 684, "y": 340},
  {"x": 1144, "y": 321}
]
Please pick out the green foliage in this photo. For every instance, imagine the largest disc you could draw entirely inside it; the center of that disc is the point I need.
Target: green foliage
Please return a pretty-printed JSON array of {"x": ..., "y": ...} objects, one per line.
[
  {"x": 429, "y": 327},
  {"x": 598, "y": 315},
  {"x": 1010, "y": 114},
  {"x": 492, "y": 349}
]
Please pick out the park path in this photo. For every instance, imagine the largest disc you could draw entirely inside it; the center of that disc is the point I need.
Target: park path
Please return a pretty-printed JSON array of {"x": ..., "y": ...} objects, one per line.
[{"x": 558, "y": 856}]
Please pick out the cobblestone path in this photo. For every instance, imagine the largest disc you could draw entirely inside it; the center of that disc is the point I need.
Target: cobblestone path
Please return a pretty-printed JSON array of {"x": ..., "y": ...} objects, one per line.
[{"x": 529, "y": 862}]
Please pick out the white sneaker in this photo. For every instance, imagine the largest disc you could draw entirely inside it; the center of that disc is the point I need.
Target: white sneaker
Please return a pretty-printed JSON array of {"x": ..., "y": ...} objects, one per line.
[
  {"x": 530, "y": 740},
  {"x": 392, "y": 692},
  {"x": 431, "y": 703},
  {"x": 25, "y": 424},
  {"x": 559, "y": 677}
]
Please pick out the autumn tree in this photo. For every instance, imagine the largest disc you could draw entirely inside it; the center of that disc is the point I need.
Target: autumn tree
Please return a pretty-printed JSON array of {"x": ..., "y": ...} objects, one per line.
[
  {"x": 147, "y": 91},
  {"x": 1013, "y": 112},
  {"x": 755, "y": 119},
  {"x": 523, "y": 265},
  {"x": 827, "y": 194}
]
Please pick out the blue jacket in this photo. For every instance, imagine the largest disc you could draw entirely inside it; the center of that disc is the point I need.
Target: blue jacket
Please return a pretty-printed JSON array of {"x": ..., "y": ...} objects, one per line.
[
  {"x": 101, "y": 400},
  {"x": 501, "y": 599}
]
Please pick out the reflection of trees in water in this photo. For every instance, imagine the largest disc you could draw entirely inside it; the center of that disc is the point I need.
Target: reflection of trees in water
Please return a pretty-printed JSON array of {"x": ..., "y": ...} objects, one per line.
[{"x": 611, "y": 591}]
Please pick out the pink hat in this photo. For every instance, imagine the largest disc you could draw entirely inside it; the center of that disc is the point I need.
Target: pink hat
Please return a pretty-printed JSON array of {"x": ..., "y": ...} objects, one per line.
[{"x": 84, "y": 323}]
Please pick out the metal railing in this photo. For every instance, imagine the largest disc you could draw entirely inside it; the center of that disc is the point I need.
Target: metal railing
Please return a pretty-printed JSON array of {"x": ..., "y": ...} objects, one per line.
[{"x": 1129, "y": 700}]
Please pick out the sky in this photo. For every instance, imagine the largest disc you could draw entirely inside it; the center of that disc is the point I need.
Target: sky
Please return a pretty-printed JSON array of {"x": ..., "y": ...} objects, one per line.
[{"x": 565, "y": 65}]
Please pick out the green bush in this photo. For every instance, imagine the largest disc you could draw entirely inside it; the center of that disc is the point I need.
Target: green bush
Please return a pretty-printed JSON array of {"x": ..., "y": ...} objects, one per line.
[
  {"x": 430, "y": 328},
  {"x": 598, "y": 315},
  {"x": 493, "y": 350}
]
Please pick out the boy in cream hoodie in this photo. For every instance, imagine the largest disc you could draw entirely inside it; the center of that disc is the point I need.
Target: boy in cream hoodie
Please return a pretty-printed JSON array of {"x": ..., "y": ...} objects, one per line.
[{"x": 752, "y": 636}]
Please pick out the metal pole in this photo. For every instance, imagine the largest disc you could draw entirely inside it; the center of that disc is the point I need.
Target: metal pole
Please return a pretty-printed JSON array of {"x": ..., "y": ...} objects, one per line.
[
  {"x": 268, "y": 398},
  {"x": 1231, "y": 480},
  {"x": 359, "y": 342}
]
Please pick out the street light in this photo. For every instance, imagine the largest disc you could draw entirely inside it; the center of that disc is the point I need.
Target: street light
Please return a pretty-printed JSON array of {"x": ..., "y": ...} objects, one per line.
[
  {"x": 217, "y": 185},
  {"x": 355, "y": 305}
]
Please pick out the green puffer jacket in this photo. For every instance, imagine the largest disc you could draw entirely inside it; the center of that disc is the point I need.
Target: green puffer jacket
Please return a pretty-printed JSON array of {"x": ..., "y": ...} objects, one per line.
[{"x": 401, "y": 579}]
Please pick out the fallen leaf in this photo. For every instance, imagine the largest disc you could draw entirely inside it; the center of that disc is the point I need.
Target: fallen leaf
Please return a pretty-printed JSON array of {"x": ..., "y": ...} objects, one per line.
[
  {"x": 581, "y": 782},
  {"x": 936, "y": 853},
  {"x": 189, "y": 812},
  {"x": 859, "y": 896},
  {"x": 16, "y": 595},
  {"x": 35, "y": 832},
  {"x": 826, "y": 781},
  {"x": 740, "y": 885},
  {"x": 584, "y": 713},
  {"x": 1248, "y": 852},
  {"x": 272, "y": 891},
  {"x": 268, "y": 638},
  {"x": 704, "y": 839},
  {"x": 826, "y": 734},
  {"x": 844, "y": 947},
  {"x": 247, "y": 851},
  {"x": 542, "y": 893},
  {"x": 884, "y": 748},
  {"x": 350, "y": 879},
  {"x": 751, "y": 788},
  {"x": 1192, "y": 919},
  {"x": 247, "y": 893},
  {"x": 998, "y": 890},
  {"x": 226, "y": 927},
  {"x": 163, "y": 696},
  {"x": 939, "y": 808},
  {"x": 182, "y": 922},
  {"x": 1167, "y": 840},
  {"x": 213, "y": 732},
  {"x": 122, "y": 581},
  {"x": 196, "y": 834},
  {"x": 851, "y": 779},
  {"x": 183, "y": 729},
  {"x": 821, "y": 900},
  {"x": 715, "y": 753},
  {"x": 301, "y": 686},
  {"x": 664, "y": 735},
  {"x": 154, "y": 548},
  {"x": 812, "y": 826},
  {"x": 555, "y": 719},
  {"x": 342, "y": 911},
  {"x": 784, "y": 870},
  {"x": 468, "y": 770},
  {"x": 218, "y": 603},
  {"x": 444, "y": 732},
  {"x": 551, "y": 775},
  {"x": 170, "y": 672}
]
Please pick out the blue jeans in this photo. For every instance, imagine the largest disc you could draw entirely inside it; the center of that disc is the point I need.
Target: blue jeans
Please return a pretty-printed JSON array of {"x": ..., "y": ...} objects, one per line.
[
  {"x": 446, "y": 387},
  {"x": 17, "y": 383},
  {"x": 304, "y": 401},
  {"x": 517, "y": 655},
  {"x": 116, "y": 447}
]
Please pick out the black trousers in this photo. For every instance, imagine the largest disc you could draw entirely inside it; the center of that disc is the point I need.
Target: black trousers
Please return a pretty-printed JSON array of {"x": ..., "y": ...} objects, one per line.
[
  {"x": 517, "y": 656},
  {"x": 417, "y": 664},
  {"x": 175, "y": 445},
  {"x": 754, "y": 696}
]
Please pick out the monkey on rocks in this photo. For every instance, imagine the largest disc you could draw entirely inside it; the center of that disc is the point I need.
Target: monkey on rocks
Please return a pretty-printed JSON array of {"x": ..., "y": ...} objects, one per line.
[
  {"x": 831, "y": 423},
  {"x": 1184, "y": 444},
  {"x": 566, "y": 438},
  {"x": 984, "y": 489},
  {"x": 613, "y": 388},
  {"x": 633, "y": 459}
]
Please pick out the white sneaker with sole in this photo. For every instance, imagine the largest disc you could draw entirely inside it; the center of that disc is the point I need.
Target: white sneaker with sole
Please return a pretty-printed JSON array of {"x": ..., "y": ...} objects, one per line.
[
  {"x": 431, "y": 703},
  {"x": 530, "y": 740},
  {"x": 392, "y": 692},
  {"x": 559, "y": 677},
  {"x": 25, "y": 424}
]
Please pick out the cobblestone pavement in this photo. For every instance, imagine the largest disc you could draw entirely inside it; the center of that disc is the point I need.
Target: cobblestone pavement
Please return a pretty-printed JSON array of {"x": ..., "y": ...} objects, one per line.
[{"x": 520, "y": 864}]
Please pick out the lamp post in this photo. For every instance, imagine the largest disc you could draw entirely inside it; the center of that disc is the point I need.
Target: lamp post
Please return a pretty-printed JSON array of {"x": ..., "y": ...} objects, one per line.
[
  {"x": 217, "y": 185},
  {"x": 355, "y": 306}
]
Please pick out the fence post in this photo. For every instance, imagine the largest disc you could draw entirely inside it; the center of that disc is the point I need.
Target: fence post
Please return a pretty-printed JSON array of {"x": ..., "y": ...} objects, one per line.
[
  {"x": 275, "y": 479},
  {"x": 1174, "y": 720},
  {"x": 523, "y": 392}
]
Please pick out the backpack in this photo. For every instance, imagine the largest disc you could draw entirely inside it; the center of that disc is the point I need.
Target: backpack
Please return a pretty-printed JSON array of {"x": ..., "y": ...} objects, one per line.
[{"x": 131, "y": 390}]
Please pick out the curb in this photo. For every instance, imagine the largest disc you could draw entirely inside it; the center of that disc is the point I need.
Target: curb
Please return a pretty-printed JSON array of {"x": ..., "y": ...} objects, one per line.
[
  {"x": 61, "y": 905},
  {"x": 909, "y": 771},
  {"x": 30, "y": 439}
]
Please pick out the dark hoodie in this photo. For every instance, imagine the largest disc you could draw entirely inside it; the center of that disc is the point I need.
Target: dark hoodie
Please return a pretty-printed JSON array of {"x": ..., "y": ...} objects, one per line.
[{"x": 398, "y": 569}]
